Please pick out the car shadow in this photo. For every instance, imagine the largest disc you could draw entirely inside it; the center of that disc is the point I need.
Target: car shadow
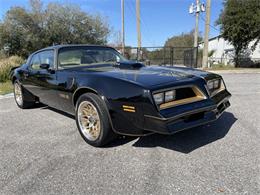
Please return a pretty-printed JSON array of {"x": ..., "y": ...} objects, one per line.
[
  {"x": 120, "y": 140},
  {"x": 184, "y": 141},
  {"x": 37, "y": 106},
  {"x": 189, "y": 140}
]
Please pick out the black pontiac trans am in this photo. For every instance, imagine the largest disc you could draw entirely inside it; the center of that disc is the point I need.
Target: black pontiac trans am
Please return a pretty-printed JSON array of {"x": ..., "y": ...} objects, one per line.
[{"x": 109, "y": 95}]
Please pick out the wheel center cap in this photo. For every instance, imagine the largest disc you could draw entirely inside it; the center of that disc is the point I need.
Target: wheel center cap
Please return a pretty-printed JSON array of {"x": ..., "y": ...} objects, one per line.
[{"x": 92, "y": 119}]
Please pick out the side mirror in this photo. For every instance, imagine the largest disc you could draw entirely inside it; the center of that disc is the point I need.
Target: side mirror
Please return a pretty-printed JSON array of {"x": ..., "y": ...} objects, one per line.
[
  {"x": 117, "y": 59},
  {"x": 45, "y": 66}
]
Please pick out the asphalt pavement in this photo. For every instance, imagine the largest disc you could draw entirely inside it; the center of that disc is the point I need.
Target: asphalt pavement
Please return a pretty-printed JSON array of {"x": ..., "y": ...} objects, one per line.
[{"x": 41, "y": 152}]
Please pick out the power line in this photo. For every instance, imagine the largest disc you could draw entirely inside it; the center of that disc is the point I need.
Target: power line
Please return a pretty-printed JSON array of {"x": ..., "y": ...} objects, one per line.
[
  {"x": 131, "y": 7},
  {"x": 213, "y": 27},
  {"x": 145, "y": 28}
]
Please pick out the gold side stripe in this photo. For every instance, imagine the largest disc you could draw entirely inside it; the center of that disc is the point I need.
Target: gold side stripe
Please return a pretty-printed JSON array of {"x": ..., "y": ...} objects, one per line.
[
  {"x": 128, "y": 110},
  {"x": 130, "y": 107},
  {"x": 198, "y": 92}
]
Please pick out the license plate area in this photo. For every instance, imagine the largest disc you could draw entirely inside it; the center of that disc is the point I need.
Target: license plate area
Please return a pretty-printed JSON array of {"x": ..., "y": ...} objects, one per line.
[{"x": 194, "y": 117}]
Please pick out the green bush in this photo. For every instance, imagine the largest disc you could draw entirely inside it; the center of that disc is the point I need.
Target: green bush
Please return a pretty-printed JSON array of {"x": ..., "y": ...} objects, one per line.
[{"x": 6, "y": 64}]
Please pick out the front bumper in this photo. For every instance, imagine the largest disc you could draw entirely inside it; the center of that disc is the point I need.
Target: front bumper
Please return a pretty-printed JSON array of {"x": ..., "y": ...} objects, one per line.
[{"x": 188, "y": 116}]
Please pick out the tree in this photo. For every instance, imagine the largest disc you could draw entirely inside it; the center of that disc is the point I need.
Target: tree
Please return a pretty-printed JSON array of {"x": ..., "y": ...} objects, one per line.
[
  {"x": 180, "y": 44},
  {"x": 29, "y": 30},
  {"x": 240, "y": 24},
  {"x": 182, "y": 40}
]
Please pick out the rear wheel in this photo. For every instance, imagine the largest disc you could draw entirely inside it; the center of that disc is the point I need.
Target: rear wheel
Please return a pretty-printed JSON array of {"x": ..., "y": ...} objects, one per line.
[
  {"x": 93, "y": 120},
  {"x": 20, "y": 96}
]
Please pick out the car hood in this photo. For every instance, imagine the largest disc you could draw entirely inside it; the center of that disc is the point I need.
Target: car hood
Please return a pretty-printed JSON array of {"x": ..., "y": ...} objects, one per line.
[{"x": 146, "y": 75}]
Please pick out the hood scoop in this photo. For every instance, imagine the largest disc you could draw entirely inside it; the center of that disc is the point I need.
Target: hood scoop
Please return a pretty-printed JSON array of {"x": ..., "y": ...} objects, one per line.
[{"x": 130, "y": 65}]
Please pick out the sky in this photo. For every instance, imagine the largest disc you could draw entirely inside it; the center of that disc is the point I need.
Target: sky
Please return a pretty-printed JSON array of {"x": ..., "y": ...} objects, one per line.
[{"x": 160, "y": 19}]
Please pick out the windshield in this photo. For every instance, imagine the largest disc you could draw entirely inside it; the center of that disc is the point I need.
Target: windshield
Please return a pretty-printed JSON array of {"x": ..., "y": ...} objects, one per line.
[{"x": 87, "y": 56}]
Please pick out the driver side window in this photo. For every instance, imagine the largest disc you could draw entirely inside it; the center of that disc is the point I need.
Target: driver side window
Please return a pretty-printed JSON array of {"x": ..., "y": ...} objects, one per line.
[
  {"x": 44, "y": 57},
  {"x": 47, "y": 57},
  {"x": 35, "y": 62}
]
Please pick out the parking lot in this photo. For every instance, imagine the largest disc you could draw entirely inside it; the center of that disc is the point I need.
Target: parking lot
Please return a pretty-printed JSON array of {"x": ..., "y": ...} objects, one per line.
[{"x": 41, "y": 152}]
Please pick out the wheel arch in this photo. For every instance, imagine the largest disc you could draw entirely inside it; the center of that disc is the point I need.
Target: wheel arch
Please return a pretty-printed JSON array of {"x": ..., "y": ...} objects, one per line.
[
  {"x": 80, "y": 91},
  {"x": 14, "y": 78}
]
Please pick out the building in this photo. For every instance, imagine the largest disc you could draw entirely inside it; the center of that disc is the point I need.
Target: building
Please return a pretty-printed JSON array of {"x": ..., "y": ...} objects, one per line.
[{"x": 223, "y": 52}]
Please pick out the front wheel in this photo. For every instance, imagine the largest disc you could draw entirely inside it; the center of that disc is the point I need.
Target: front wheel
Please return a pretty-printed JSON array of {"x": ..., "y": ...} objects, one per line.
[
  {"x": 20, "y": 96},
  {"x": 92, "y": 120}
]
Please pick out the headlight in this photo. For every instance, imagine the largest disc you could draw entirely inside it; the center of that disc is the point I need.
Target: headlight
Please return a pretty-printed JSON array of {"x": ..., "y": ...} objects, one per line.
[
  {"x": 215, "y": 86},
  {"x": 170, "y": 95},
  {"x": 158, "y": 98},
  {"x": 210, "y": 85},
  {"x": 162, "y": 97}
]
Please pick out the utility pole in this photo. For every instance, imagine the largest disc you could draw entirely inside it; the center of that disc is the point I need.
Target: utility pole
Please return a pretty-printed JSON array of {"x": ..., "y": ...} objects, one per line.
[
  {"x": 138, "y": 26},
  {"x": 206, "y": 36},
  {"x": 123, "y": 26},
  {"x": 196, "y": 31},
  {"x": 197, "y": 8}
]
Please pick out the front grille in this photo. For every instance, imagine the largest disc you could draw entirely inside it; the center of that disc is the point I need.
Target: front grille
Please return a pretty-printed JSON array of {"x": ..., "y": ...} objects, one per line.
[{"x": 183, "y": 93}]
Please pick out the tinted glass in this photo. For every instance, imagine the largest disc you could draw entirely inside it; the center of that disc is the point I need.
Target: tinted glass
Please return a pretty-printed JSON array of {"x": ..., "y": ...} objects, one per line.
[
  {"x": 35, "y": 62},
  {"x": 44, "y": 57}
]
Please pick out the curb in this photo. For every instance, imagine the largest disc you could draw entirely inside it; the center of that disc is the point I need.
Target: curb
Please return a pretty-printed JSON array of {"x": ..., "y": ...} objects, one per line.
[{"x": 235, "y": 71}]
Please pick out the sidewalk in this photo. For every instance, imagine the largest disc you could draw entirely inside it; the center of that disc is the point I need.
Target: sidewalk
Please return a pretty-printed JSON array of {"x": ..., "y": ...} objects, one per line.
[{"x": 236, "y": 71}]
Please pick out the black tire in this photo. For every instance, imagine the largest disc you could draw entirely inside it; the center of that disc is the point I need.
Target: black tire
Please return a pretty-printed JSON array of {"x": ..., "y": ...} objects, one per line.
[
  {"x": 106, "y": 133},
  {"x": 27, "y": 99}
]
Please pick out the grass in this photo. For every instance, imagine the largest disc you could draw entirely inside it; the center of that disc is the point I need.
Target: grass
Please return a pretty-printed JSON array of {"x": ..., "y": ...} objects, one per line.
[
  {"x": 6, "y": 64},
  {"x": 221, "y": 67},
  {"x": 6, "y": 88}
]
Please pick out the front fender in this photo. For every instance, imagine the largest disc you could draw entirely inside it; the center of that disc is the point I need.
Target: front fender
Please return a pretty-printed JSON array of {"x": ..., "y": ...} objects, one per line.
[{"x": 119, "y": 95}]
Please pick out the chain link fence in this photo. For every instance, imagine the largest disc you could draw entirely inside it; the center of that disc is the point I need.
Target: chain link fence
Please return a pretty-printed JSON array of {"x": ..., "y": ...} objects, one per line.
[{"x": 182, "y": 56}]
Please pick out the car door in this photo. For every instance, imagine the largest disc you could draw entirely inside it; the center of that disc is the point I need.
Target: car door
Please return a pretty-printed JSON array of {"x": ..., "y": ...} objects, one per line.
[
  {"x": 66, "y": 80},
  {"x": 29, "y": 80},
  {"x": 42, "y": 82}
]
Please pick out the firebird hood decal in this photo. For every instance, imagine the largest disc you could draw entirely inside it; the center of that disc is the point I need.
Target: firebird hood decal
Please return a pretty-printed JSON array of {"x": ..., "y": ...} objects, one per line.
[{"x": 146, "y": 75}]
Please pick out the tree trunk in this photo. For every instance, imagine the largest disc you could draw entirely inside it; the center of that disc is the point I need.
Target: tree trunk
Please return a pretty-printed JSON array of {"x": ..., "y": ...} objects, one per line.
[{"x": 236, "y": 58}]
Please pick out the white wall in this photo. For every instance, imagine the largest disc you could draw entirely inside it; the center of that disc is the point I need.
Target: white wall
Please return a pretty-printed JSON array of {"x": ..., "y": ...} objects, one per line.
[
  {"x": 256, "y": 53},
  {"x": 224, "y": 51}
]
